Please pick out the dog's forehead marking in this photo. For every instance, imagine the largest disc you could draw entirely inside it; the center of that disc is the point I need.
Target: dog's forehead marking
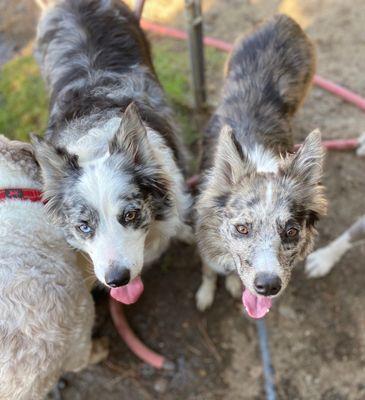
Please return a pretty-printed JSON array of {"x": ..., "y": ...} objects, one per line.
[
  {"x": 264, "y": 160},
  {"x": 95, "y": 142},
  {"x": 102, "y": 186},
  {"x": 261, "y": 201},
  {"x": 269, "y": 194}
]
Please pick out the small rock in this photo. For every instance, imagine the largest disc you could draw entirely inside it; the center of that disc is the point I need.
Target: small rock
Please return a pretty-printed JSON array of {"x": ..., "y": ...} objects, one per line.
[
  {"x": 160, "y": 385},
  {"x": 147, "y": 371},
  {"x": 287, "y": 312}
]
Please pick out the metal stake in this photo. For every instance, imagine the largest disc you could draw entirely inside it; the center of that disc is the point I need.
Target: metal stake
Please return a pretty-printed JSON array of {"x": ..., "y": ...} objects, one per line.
[
  {"x": 138, "y": 8},
  {"x": 196, "y": 48}
]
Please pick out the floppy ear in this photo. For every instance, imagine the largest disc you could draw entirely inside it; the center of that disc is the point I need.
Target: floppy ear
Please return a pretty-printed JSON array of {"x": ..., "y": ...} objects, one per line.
[
  {"x": 21, "y": 154},
  {"x": 131, "y": 137},
  {"x": 22, "y": 148},
  {"x": 26, "y": 149},
  {"x": 306, "y": 170},
  {"x": 231, "y": 162}
]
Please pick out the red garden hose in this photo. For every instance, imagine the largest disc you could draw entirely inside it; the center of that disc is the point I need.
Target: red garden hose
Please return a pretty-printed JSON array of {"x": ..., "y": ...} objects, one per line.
[
  {"x": 325, "y": 84},
  {"x": 340, "y": 91},
  {"x": 337, "y": 90}
]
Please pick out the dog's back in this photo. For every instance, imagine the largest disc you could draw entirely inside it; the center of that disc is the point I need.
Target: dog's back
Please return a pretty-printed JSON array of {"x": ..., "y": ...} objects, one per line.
[
  {"x": 77, "y": 38},
  {"x": 96, "y": 60},
  {"x": 268, "y": 75}
]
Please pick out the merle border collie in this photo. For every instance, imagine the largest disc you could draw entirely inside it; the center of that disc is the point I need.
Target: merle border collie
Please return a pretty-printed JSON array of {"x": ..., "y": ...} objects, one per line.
[
  {"x": 258, "y": 203},
  {"x": 112, "y": 160}
]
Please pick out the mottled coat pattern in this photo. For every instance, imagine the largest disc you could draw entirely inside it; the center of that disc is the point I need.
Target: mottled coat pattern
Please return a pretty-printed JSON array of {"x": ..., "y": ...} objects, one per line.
[
  {"x": 46, "y": 311},
  {"x": 112, "y": 151},
  {"x": 258, "y": 203}
]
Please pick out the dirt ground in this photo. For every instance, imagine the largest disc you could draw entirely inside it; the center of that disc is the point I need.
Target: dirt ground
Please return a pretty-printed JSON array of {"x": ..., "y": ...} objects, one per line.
[{"x": 317, "y": 328}]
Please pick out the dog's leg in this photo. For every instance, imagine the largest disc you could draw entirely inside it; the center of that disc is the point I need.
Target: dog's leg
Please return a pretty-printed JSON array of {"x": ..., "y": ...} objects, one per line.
[
  {"x": 99, "y": 350},
  {"x": 361, "y": 149},
  {"x": 234, "y": 285},
  {"x": 320, "y": 262},
  {"x": 205, "y": 295}
]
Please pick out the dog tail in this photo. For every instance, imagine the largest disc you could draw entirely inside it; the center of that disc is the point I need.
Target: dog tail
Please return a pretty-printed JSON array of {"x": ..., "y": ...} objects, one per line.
[{"x": 276, "y": 64}]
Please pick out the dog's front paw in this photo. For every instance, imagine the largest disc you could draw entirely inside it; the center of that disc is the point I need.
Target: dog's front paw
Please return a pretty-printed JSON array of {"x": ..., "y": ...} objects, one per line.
[
  {"x": 320, "y": 263},
  {"x": 234, "y": 286},
  {"x": 204, "y": 297},
  {"x": 99, "y": 350}
]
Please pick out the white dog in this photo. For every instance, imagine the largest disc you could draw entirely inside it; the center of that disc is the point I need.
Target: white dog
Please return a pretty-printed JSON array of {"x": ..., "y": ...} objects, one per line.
[{"x": 46, "y": 312}]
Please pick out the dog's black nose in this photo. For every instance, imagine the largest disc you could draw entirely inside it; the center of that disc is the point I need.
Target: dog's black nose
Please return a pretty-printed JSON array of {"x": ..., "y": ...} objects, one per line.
[
  {"x": 267, "y": 284},
  {"x": 117, "y": 277}
]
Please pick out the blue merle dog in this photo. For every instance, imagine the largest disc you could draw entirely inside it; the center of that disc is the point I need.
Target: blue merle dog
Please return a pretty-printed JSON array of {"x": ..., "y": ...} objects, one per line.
[
  {"x": 112, "y": 162},
  {"x": 258, "y": 203}
]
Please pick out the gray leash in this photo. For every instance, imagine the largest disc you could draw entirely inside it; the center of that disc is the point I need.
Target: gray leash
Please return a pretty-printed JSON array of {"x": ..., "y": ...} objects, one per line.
[{"x": 266, "y": 360}]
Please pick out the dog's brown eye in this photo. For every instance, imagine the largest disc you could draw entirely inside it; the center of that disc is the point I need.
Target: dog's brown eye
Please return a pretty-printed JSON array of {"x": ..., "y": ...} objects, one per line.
[
  {"x": 242, "y": 229},
  {"x": 130, "y": 216},
  {"x": 292, "y": 232}
]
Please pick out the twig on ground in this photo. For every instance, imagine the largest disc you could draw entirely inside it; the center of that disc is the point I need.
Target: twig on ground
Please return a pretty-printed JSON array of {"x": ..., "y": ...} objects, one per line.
[{"x": 208, "y": 341}]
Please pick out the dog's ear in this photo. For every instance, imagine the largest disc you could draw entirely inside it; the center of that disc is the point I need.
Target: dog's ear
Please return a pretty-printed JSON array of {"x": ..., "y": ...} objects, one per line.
[
  {"x": 59, "y": 169},
  {"x": 231, "y": 162},
  {"x": 4, "y": 142},
  {"x": 132, "y": 137},
  {"x": 23, "y": 148},
  {"x": 307, "y": 164},
  {"x": 56, "y": 162},
  {"x": 21, "y": 154},
  {"x": 306, "y": 169}
]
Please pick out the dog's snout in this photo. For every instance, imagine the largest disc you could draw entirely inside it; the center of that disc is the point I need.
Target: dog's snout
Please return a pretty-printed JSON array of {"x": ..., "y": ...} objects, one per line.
[
  {"x": 117, "y": 276},
  {"x": 267, "y": 284}
]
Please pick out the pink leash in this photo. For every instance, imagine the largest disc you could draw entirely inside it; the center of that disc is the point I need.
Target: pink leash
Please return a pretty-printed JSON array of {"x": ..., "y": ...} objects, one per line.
[{"x": 138, "y": 348}]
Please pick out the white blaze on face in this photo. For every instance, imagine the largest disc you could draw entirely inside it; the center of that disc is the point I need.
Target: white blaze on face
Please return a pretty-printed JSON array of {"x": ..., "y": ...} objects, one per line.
[
  {"x": 269, "y": 194},
  {"x": 112, "y": 243},
  {"x": 115, "y": 244}
]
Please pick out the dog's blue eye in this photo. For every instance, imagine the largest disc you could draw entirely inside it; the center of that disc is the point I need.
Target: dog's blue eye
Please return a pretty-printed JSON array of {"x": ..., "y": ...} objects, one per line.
[{"x": 84, "y": 228}]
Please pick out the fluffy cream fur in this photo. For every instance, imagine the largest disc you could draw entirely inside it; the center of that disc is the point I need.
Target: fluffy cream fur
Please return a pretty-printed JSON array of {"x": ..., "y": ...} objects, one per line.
[{"x": 46, "y": 312}]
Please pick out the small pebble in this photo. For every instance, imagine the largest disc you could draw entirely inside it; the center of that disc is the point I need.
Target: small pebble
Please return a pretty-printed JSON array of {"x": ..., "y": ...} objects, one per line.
[{"x": 160, "y": 385}]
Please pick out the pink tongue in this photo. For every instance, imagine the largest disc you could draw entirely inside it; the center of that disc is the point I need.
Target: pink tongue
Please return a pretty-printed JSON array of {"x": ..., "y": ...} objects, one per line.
[
  {"x": 256, "y": 307},
  {"x": 130, "y": 293}
]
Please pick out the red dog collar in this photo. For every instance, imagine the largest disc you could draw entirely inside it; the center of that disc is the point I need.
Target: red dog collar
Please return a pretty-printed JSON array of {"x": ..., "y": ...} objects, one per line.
[{"x": 21, "y": 194}]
